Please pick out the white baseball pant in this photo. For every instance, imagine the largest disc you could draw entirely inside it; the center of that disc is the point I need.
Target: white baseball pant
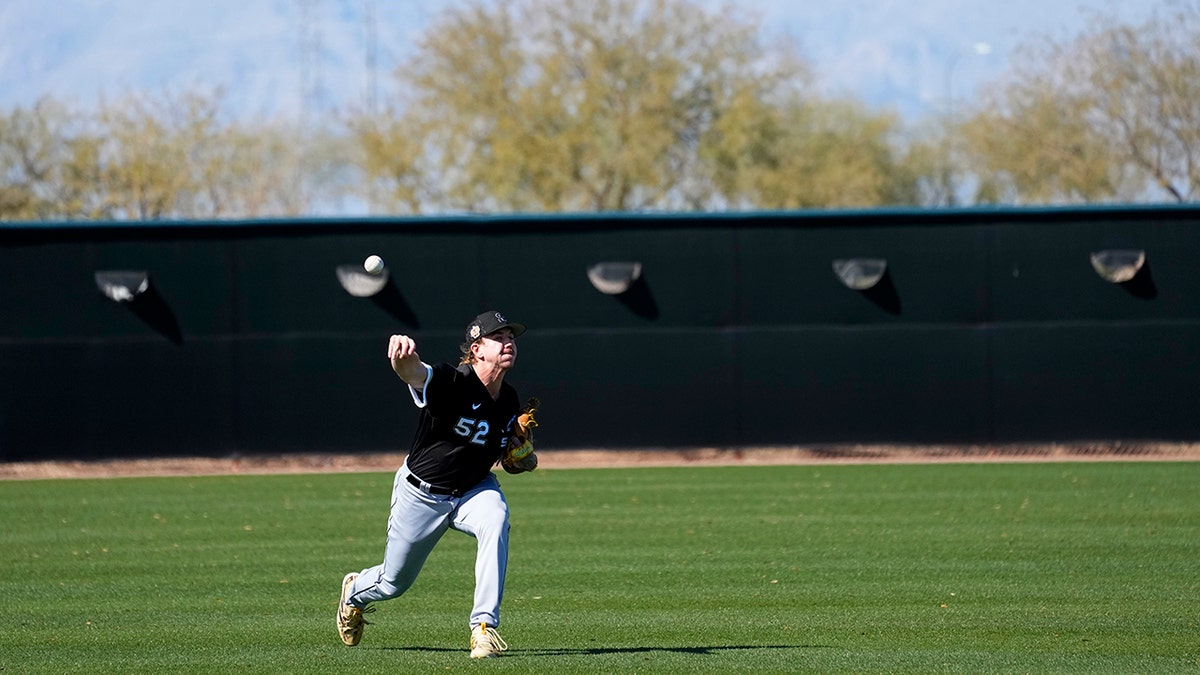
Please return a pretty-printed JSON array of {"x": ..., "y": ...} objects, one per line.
[{"x": 418, "y": 520}]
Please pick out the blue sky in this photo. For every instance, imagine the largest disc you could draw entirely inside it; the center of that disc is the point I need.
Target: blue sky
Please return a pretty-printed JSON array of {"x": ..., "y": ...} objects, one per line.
[{"x": 911, "y": 56}]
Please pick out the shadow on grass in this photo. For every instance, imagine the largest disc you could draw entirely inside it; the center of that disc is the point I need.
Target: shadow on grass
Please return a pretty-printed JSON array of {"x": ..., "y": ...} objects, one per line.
[
  {"x": 699, "y": 651},
  {"x": 597, "y": 651}
]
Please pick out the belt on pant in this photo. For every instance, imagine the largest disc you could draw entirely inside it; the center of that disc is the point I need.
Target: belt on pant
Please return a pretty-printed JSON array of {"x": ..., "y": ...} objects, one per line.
[{"x": 432, "y": 489}]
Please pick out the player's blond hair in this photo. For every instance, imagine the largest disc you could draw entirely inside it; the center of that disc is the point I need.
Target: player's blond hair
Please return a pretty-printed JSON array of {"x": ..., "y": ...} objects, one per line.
[{"x": 468, "y": 357}]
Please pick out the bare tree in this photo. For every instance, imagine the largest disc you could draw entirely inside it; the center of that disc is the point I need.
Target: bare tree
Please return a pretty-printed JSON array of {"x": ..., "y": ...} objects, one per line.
[{"x": 1111, "y": 116}]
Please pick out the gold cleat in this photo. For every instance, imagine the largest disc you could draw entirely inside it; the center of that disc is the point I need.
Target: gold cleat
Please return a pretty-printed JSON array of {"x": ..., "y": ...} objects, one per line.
[
  {"x": 350, "y": 619},
  {"x": 486, "y": 642}
]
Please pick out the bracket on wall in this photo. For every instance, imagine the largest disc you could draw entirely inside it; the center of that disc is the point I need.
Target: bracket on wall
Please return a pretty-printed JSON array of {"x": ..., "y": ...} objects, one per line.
[
  {"x": 360, "y": 283},
  {"x": 859, "y": 274},
  {"x": 133, "y": 289},
  {"x": 614, "y": 278},
  {"x": 122, "y": 285},
  {"x": 1118, "y": 266}
]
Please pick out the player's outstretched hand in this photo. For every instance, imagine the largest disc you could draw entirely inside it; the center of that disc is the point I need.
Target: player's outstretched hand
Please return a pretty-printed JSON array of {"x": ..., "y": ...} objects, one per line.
[
  {"x": 402, "y": 353},
  {"x": 400, "y": 347}
]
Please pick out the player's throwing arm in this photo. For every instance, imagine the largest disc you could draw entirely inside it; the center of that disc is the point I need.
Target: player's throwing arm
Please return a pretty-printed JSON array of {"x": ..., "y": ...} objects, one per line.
[{"x": 402, "y": 352}]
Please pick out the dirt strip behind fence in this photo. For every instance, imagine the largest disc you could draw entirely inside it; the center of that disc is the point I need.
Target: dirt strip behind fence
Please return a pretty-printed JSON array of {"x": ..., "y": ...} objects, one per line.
[{"x": 599, "y": 458}]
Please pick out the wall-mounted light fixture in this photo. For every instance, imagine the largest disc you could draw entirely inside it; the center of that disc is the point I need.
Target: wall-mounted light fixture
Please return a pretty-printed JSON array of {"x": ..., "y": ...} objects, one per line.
[
  {"x": 859, "y": 274},
  {"x": 122, "y": 285},
  {"x": 360, "y": 283},
  {"x": 614, "y": 278},
  {"x": 1118, "y": 265},
  {"x": 133, "y": 290}
]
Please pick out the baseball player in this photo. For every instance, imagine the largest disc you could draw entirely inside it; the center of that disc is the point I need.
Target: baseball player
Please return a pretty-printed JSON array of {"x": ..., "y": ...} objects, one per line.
[{"x": 468, "y": 421}]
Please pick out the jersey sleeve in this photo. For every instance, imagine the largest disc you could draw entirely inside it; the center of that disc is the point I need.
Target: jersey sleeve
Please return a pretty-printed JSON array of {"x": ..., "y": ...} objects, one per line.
[
  {"x": 419, "y": 396},
  {"x": 438, "y": 396}
]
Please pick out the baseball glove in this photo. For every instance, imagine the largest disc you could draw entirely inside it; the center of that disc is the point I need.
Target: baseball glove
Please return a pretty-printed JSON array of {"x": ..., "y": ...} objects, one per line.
[{"x": 518, "y": 456}]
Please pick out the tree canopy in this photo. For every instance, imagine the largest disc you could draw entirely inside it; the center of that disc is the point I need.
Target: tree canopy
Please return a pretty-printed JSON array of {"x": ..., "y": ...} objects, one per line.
[
  {"x": 619, "y": 105},
  {"x": 629, "y": 105},
  {"x": 1111, "y": 116}
]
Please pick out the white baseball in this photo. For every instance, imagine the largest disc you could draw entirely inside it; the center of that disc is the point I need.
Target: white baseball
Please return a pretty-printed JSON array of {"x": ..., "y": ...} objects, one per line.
[{"x": 373, "y": 264}]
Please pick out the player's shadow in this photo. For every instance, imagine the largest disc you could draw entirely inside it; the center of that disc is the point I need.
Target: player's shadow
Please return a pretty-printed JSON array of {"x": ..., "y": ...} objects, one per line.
[
  {"x": 599, "y": 651},
  {"x": 698, "y": 651}
]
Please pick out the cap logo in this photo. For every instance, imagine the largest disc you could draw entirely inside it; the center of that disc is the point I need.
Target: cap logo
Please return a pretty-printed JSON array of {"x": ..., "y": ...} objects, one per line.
[
  {"x": 500, "y": 318},
  {"x": 475, "y": 331}
]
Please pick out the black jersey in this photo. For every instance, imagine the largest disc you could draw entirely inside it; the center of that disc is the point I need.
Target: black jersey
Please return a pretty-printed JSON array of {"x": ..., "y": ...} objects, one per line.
[{"x": 461, "y": 431}]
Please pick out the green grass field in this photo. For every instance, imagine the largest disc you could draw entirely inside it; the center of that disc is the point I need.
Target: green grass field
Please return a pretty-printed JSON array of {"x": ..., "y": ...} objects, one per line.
[{"x": 969, "y": 568}]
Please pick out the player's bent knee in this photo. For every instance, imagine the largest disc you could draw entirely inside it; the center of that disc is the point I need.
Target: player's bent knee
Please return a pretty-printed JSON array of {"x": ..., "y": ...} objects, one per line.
[
  {"x": 495, "y": 524},
  {"x": 394, "y": 587}
]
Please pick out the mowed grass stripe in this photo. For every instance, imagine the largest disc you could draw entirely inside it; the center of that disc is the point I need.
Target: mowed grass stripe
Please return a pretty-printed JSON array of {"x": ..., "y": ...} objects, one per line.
[{"x": 1076, "y": 567}]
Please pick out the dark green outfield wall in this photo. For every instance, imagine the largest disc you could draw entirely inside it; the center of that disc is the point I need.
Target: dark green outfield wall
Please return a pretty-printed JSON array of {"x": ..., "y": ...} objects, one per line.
[{"x": 990, "y": 327}]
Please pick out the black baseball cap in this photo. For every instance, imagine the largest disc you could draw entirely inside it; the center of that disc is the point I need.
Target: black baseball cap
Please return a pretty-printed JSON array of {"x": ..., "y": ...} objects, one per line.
[{"x": 487, "y": 323}]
